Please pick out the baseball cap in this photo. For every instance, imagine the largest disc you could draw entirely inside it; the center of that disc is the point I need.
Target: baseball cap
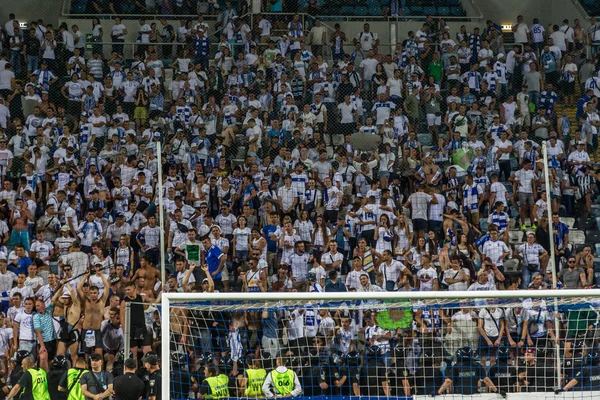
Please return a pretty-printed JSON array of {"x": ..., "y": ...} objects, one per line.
[
  {"x": 530, "y": 350},
  {"x": 580, "y": 142},
  {"x": 95, "y": 357},
  {"x": 64, "y": 228},
  {"x": 66, "y": 296}
]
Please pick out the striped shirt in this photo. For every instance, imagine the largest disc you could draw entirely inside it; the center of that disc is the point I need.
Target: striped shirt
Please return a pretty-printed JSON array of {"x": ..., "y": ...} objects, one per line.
[
  {"x": 45, "y": 323},
  {"x": 499, "y": 219}
]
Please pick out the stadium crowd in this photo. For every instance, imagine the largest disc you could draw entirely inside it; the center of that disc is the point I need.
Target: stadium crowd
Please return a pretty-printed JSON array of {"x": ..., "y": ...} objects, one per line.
[{"x": 315, "y": 163}]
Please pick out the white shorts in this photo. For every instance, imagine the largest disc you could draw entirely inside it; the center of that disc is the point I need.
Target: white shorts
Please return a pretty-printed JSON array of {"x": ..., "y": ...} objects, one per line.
[{"x": 433, "y": 119}]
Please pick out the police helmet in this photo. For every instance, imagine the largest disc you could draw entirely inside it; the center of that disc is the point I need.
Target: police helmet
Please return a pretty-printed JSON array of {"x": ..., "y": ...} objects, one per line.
[
  {"x": 59, "y": 362},
  {"x": 353, "y": 359},
  {"x": 465, "y": 354}
]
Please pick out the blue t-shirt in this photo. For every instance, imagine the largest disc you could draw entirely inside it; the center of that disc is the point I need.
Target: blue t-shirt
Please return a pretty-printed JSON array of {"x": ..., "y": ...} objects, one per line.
[
  {"x": 269, "y": 325},
  {"x": 213, "y": 260},
  {"x": 268, "y": 231}
]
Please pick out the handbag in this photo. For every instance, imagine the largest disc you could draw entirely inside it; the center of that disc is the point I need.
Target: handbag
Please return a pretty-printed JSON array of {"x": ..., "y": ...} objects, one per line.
[
  {"x": 182, "y": 228},
  {"x": 142, "y": 205}
]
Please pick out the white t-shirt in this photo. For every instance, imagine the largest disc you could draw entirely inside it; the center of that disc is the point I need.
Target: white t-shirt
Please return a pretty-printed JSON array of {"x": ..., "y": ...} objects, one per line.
[
  {"x": 426, "y": 278},
  {"x": 491, "y": 321}
]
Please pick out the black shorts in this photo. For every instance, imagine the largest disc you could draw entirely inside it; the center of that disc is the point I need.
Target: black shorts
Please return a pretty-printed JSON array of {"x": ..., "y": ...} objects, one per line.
[
  {"x": 97, "y": 341},
  {"x": 419, "y": 224},
  {"x": 140, "y": 337},
  {"x": 50, "y": 348}
]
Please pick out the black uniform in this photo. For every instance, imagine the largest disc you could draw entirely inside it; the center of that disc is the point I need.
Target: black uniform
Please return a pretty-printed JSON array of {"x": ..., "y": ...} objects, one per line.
[
  {"x": 588, "y": 378},
  {"x": 504, "y": 376},
  {"x": 181, "y": 382},
  {"x": 128, "y": 387},
  {"x": 54, "y": 377},
  {"x": 541, "y": 377},
  {"x": 154, "y": 385},
  {"x": 466, "y": 376}
]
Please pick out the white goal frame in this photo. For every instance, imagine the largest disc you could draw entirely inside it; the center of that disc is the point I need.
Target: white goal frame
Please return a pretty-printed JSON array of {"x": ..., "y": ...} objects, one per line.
[{"x": 168, "y": 298}]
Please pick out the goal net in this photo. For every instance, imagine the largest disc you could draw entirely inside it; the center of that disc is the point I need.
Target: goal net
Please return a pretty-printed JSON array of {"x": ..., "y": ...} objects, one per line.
[{"x": 540, "y": 344}]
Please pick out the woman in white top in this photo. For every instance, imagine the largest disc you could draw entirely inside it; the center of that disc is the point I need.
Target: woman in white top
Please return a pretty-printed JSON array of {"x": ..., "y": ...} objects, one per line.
[
  {"x": 124, "y": 254},
  {"x": 241, "y": 240},
  {"x": 320, "y": 235},
  {"x": 414, "y": 254},
  {"x": 97, "y": 34},
  {"x": 304, "y": 227},
  {"x": 383, "y": 235},
  {"x": 259, "y": 243},
  {"x": 183, "y": 63},
  {"x": 403, "y": 237}
]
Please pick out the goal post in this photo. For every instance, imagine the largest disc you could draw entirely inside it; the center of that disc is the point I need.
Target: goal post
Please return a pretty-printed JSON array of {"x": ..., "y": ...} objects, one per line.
[{"x": 423, "y": 341}]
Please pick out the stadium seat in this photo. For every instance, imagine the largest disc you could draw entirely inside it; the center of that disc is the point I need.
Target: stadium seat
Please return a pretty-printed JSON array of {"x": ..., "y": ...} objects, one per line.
[
  {"x": 512, "y": 266},
  {"x": 416, "y": 10},
  {"x": 453, "y": 2},
  {"x": 597, "y": 264},
  {"x": 457, "y": 11},
  {"x": 515, "y": 236},
  {"x": 429, "y": 11},
  {"x": 372, "y": 3},
  {"x": 329, "y": 150},
  {"x": 509, "y": 187},
  {"x": 425, "y": 139},
  {"x": 592, "y": 236},
  {"x": 595, "y": 211},
  {"x": 443, "y": 11},
  {"x": 586, "y": 223},
  {"x": 375, "y": 11},
  {"x": 568, "y": 221},
  {"x": 405, "y": 11},
  {"x": 361, "y": 10},
  {"x": 576, "y": 236},
  {"x": 347, "y": 10},
  {"x": 579, "y": 247}
]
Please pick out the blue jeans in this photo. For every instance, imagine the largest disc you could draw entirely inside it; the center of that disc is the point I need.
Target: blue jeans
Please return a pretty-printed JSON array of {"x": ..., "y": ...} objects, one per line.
[
  {"x": 534, "y": 97},
  {"x": 32, "y": 63},
  {"x": 527, "y": 274},
  {"x": 16, "y": 60}
]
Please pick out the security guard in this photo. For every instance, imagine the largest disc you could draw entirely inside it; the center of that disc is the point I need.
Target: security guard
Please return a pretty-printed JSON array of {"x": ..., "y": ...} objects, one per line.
[
  {"x": 214, "y": 386},
  {"x": 504, "y": 374},
  {"x": 33, "y": 384},
  {"x": 151, "y": 363},
  {"x": 254, "y": 377},
  {"x": 58, "y": 369},
  {"x": 71, "y": 380},
  {"x": 465, "y": 375},
  {"x": 587, "y": 378},
  {"x": 282, "y": 382}
]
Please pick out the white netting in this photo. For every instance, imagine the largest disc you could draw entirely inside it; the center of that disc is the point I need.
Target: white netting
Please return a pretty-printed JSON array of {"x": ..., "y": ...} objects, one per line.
[{"x": 467, "y": 346}]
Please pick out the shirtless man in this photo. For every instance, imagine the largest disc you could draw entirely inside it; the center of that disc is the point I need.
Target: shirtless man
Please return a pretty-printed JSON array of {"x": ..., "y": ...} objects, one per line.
[
  {"x": 114, "y": 303},
  {"x": 150, "y": 274},
  {"x": 431, "y": 171},
  {"x": 68, "y": 306},
  {"x": 93, "y": 306}
]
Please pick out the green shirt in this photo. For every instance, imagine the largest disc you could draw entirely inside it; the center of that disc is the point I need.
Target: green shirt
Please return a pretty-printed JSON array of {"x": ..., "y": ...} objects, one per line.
[{"x": 435, "y": 70}]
